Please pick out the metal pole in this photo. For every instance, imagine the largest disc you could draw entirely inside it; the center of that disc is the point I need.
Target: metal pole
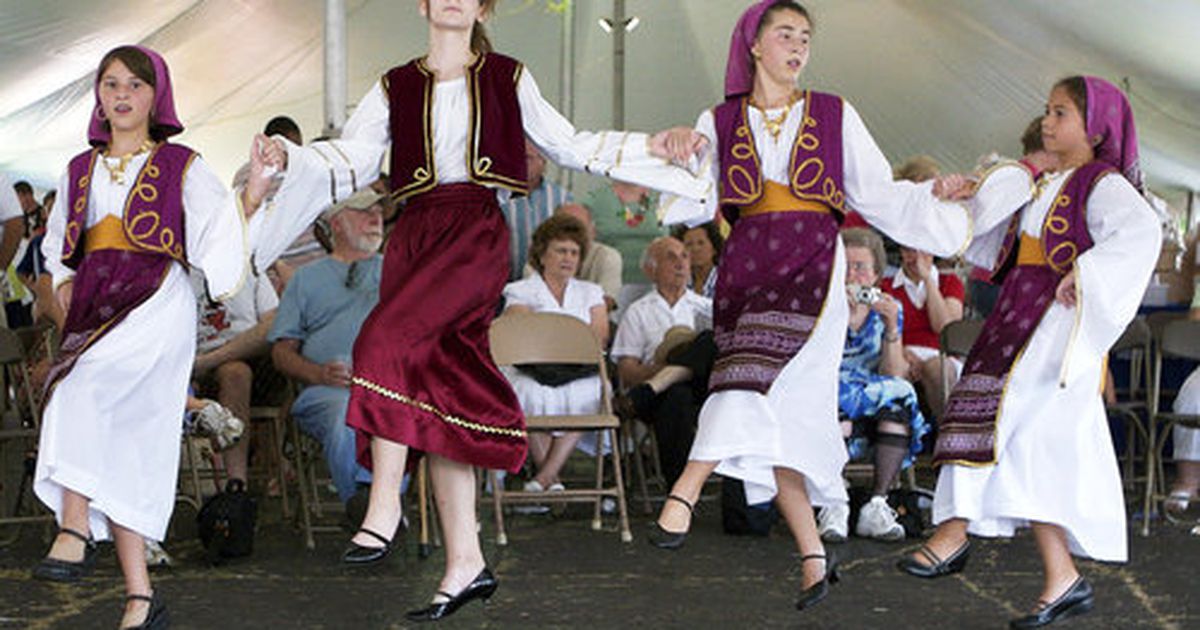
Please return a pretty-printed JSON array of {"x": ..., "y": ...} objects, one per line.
[
  {"x": 335, "y": 67},
  {"x": 566, "y": 78},
  {"x": 618, "y": 35}
]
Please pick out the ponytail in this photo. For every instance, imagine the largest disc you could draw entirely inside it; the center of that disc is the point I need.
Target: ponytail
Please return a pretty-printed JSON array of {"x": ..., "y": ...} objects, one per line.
[{"x": 480, "y": 44}]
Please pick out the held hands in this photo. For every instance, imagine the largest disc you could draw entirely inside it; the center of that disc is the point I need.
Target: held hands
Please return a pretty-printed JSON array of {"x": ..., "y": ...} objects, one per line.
[
  {"x": 953, "y": 187},
  {"x": 1065, "y": 293},
  {"x": 677, "y": 144},
  {"x": 267, "y": 157}
]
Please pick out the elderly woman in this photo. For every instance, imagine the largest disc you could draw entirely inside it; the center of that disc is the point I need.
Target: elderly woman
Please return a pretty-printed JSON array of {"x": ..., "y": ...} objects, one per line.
[
  {"x": 557, "y": 246},
  {"x": 703, "y": 244},
  {"x": 878, "y": 408}
]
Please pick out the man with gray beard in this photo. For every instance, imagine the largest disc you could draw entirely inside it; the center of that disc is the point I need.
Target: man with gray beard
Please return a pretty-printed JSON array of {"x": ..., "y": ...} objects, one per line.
[{"x": 318, "y": 319}]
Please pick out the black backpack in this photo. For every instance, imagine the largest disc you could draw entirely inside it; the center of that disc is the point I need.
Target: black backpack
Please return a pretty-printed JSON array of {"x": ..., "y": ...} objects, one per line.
[
  {"x": 740, "y": 519},
  {"x": 226, "y": 522}
]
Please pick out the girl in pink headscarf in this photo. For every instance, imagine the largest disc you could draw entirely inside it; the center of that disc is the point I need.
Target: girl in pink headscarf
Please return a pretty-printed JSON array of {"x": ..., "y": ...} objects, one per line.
[
  {"x": 1024, "y": 440},
  {"x": 139, "y": 210}
]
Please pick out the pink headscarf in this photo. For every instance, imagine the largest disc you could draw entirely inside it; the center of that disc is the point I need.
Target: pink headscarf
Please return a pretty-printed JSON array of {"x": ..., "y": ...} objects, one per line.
[
  {"x": 739, "y": 69},
  {"x": 161, "y": 114},
  {"x": 1110, "y": 123}
]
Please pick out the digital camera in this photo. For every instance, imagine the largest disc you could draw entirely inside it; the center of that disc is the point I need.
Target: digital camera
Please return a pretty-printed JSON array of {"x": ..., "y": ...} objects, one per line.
[{"x": 865, "y": 294}]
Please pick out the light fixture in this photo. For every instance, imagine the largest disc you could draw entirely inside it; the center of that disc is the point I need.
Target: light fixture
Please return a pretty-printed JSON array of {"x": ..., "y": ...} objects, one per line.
[{"x": 606, "y": 24}]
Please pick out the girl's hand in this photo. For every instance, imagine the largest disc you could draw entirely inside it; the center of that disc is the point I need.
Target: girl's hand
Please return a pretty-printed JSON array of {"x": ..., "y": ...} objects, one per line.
[
  {"x": 677, "y": 144},
  {"x": 888, "y": 309},
  {"x": 1065, "y": 293},
  {"x": 953, "y": 187}
]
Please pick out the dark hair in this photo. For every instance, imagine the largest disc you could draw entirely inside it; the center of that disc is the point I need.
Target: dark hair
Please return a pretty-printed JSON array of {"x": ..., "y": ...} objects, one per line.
[
  {"x": 1031, "y": 140},
  {"x": 23, "y": 188},
  {"x": 559, "y": 227},
  {"x": 782, "y": 5},
  {"x": 284, "y": 126},
  {"x": 712, "y": 231},
  {"x": 140, "y": 64},
  {"x": 480, "y": 43},
  {"x": 1076, "y": 88}
]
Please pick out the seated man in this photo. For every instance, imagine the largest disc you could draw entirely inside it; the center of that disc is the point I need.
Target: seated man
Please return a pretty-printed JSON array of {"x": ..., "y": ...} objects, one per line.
[
  {"x": 673, "y": 405},
  {"x": 319, "y": 316}
]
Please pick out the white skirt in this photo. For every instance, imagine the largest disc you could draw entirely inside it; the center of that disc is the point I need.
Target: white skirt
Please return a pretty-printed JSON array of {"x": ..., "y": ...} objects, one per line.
[
  {"x": 578, "y": 397},
  {"x": 795, "y": 424},
  {"x": 111, "y": 429},
  {"x": 1187, "y": 441},
  {"x": 1055, "y": 458}
]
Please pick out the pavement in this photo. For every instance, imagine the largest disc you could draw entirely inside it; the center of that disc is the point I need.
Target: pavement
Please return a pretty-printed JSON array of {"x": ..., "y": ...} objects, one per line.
[{"x": 556, "y": 572}]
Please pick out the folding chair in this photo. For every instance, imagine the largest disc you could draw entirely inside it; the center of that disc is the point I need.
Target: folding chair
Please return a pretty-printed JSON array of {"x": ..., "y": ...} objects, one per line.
[
  {"x": 19, "y": 428},
  {"x": 1180, "y": 338},
  {"x": 1136, "y": 342},
  {"x": 956, "y": 340},
  {"x": 553, "y": 338}
]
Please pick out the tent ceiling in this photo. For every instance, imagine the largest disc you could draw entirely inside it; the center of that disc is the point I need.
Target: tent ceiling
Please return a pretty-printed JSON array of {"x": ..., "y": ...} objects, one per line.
[{"x": 953, "y": 79}]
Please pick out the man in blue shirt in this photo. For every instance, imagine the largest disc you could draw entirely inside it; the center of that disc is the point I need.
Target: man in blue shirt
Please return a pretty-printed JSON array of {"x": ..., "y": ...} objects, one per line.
[{"x": 524, "y": 214}]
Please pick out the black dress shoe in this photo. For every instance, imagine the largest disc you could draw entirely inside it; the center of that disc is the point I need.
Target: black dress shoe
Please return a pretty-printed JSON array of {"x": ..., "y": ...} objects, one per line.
[
  {"x": 664, "y": 539},
  {"x": 1077, "y": 600},
  {"x": 936, "y": 567},
  {"x": 157, "y": 617},
  {"x": 813, "y": 595},
  {"x": 482, "y": 587},
  {"x": 357, "y": 554},
  {"x": 55, "y": 570}
]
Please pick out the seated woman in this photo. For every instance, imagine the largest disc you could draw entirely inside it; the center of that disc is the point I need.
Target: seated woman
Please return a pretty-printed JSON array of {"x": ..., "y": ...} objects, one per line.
[
  {"x": 558, "y": 244},
  {"x": 1187, "y": 440},
  {"x": 703, "y": 244},
  {"x": 878, "y": 407}
]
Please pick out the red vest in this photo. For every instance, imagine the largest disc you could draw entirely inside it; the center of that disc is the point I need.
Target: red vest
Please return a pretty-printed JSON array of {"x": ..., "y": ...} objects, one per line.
[{"x": 496, "y": 137}]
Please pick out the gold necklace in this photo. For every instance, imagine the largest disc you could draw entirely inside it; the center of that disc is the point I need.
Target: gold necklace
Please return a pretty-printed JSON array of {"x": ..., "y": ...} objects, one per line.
[
  {"x": 775, "y": 125},
  {"x": 116, "y": 173}
]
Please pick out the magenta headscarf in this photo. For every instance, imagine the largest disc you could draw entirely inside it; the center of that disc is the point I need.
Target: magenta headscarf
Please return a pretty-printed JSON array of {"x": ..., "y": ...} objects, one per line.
[
  {"x": 1110, "y": 128},
  {"x": 161, "y": 114},
  {"x": 739, "y": 69}
]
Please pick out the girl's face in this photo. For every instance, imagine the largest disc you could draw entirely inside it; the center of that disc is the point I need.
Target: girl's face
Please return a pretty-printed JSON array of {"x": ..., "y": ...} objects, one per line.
[
  {"x": 1064, "y": 131},
  {"x": 125, "y": 98},
  {"x": 699, "y": 248},
  {"x": 561, "y": 259},
  {"x": 452, "y": 14},
  {"x": 860, "y": 266},
  {"x": 781, "y": 51}
]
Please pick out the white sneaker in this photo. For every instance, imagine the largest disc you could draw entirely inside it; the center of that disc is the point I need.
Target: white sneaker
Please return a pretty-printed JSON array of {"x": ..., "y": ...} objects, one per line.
[
  {"x": 833, "y": 522},
  {"x": 532, "y": 508},
  {"x": 218, "y": 423},
  {"x": 156, "y": 556},
  {"x": 877, "y": 520}
]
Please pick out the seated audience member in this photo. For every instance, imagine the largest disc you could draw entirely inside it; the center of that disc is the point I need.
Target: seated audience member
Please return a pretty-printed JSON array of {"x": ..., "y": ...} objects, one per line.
[
  {"x": 555, "y": 251},
  {"x": 666, "y": 396},
  {"x": 31, "y": 270},
  {"x": 318, "y": 319},
  {"x": 704, "y": 244},
  {"x": 231, "y": 348},
  {"x": 879, "y": 412},
  {"x": 601, "y": 264},
  {"x": 931, "y": 299},
  {"x": 1187, "y": 440},
  {"x": 523, "y": 214},
  {"x": 625, "y": 219}
]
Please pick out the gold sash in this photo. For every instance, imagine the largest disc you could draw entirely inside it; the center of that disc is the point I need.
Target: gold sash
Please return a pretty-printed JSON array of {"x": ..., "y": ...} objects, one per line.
[{"x": 779, "y": 198}]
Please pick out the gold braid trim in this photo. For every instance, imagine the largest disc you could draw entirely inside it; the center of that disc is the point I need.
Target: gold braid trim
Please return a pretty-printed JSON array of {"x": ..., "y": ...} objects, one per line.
[{"x": 428, "y": 408}]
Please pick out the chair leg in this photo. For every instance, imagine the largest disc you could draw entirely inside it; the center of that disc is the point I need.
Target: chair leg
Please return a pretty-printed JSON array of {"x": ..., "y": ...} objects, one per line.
[
  {"x": 597, "y": 520},
  {"x": 498, "y": 507},
  {"x": 1150, "y": 470},
  {"x": 302, "y": 478},
  {"x": 622, "y": 510},
  {"x": 423, "y": 547},
  {"x": 639, "y": 467},
  {"x": 277, "y": 424}
]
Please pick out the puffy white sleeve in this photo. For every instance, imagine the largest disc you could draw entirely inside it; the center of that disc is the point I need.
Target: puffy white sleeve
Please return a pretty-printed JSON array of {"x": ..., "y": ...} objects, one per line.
[
  {"x": 674, "y": 209},
  {"x": 321, "y": 174},
  {"x": 905, "y": 211},
  {"x": 1111, "y": 277},
  {"x": 215, "y": 231},
  {"x": 56, "y": 227},
  {"x": 621, "y": 155},
  {"x": 1000, "y": 194}
]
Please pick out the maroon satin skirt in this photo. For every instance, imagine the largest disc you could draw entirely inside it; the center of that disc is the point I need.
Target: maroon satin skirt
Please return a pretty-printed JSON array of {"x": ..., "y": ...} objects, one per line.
[{"x": 423, "y": 371}]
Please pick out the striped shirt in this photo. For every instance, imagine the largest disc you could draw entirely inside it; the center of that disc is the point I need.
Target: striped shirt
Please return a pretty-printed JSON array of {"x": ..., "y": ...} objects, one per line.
[{"x": 523, "y": 215}]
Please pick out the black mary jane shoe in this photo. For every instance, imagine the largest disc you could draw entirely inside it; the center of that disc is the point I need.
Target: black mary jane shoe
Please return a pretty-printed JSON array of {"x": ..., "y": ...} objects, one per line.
[
  {"x": 357, "y": 554},
  {"x": 1077, "y": 600},
  {"x": 156, "y": 618},
  {"x": 813, "y": 595},
  {"x": 482, "y": 587},
  {"x": 664, "y": 539},
  {"x": 55, "y": 570},
  {"x": 936, "y": 567}
]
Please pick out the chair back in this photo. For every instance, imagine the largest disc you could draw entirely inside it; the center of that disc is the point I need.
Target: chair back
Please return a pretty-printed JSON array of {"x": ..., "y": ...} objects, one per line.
[
  {"x": 12, "y": 350},
  {"x": 1137, "y": 336},
  {"x": 958, "y": 337},
  {"x": 1158, "y": 321},
  {"x": 1181, "y": 338},
  {"x": 543, "y": 338}
]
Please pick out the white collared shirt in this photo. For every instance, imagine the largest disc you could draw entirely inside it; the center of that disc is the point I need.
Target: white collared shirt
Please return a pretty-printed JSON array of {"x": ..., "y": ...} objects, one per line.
[{"x": 647, "y": 320}]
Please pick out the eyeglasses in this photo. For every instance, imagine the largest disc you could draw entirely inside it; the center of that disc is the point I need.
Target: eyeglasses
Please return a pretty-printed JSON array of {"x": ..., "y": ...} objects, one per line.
[{"x": 860, "y": 266}]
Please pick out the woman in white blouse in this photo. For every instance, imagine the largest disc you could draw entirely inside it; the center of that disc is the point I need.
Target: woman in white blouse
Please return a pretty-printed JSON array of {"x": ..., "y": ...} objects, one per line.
[{"x": 558, "y": 245}]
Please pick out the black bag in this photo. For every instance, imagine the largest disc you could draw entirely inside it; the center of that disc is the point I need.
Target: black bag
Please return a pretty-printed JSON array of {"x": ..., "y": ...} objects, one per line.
[
  {"x": 555, "y": 374},
  {"x": 226, "y": 522},
  {"x": 740, "y": 519}
]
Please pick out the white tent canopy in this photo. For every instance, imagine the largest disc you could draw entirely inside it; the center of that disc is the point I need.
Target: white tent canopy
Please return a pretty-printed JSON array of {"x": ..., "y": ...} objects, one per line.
[{"x": 949, "y": 78}]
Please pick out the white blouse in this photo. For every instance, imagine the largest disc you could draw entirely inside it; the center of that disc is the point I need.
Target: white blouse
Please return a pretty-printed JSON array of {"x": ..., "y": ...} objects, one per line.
[{"x": 579, "y": 297}]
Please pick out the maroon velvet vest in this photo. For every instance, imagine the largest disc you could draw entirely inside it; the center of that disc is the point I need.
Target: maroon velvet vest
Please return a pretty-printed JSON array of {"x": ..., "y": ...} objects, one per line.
[
  {"x": 496, "y": 137},
  {"x": 1064, "y": 232},
  {"x": 815, "y": 169},
  {"x": 153, "y": 216}
]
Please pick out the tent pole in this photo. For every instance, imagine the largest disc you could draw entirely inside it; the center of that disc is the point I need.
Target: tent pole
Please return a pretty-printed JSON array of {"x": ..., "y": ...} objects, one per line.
[
  {"x": 566, "y": 78},
  {"x": 335, "y": 67},
  {"x": 618, "y": 35}
]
